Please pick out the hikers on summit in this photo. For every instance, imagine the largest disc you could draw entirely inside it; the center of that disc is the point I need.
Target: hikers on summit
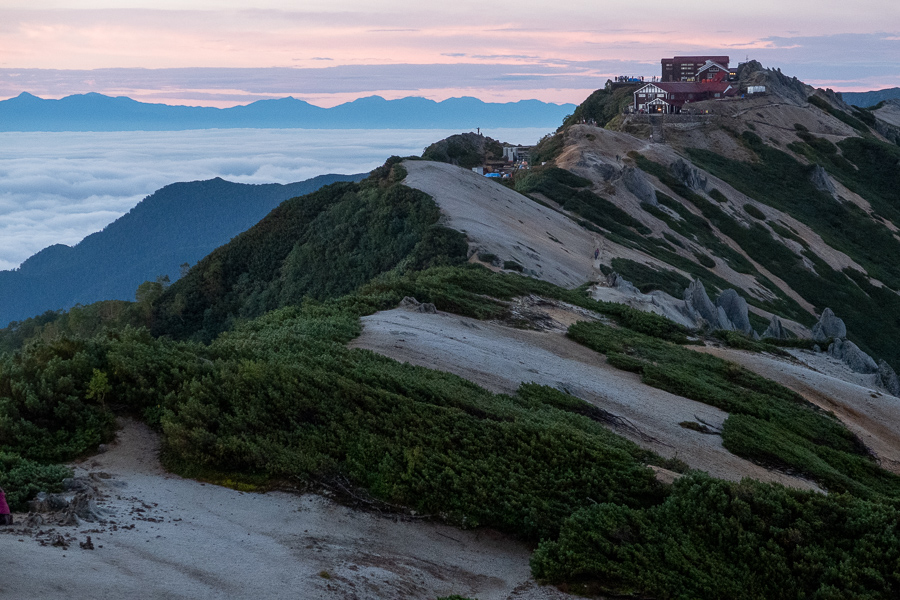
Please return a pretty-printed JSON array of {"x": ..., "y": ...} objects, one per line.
[{"x": 5, "y": 516}]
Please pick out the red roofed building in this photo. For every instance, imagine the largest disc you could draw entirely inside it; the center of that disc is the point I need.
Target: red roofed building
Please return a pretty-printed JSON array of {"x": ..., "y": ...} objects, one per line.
[
  {"x": 693, "y": 68},
  {"x": 670, "y": 97}
]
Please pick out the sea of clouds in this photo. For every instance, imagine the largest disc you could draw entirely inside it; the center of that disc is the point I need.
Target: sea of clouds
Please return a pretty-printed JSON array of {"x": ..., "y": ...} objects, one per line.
[{"x": 57, "y": 188}]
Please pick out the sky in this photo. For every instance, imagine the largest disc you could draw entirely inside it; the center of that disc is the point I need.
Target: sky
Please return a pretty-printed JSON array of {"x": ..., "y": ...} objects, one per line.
[{"x": 222, "y": 53}]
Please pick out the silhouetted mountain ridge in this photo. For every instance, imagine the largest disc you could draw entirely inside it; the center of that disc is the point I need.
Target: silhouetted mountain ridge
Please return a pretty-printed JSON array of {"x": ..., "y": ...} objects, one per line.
[{"x": 96, "y": 112}]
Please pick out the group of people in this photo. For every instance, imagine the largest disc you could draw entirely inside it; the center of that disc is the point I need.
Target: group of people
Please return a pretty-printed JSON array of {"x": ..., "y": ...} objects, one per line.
[{"x": 5, "y": 516}]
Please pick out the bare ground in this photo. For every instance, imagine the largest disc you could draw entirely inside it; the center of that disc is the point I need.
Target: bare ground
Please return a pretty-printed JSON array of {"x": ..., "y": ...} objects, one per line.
[
  {"x": 500, "y": 221},
  {"x": 501, "y": 358},
  {"x": 168, "y": 537},
  {"x": 872, "y": 415}
]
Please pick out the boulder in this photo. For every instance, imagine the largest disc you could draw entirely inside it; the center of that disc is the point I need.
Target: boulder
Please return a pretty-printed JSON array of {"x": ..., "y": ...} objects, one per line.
[
  {"x": 888, "y": 378},
  {"x": 86, "y": 509},
  {"x": 852, "y": 356},
  {"x": 689, "y": 175},
  {"x": 821, "y": 180},
  {"x": 775, "y": 330},
  {"x": 614, "y": 280},
  {"x": 636, "y": 183},
  {"x": 45, "y": 503},
  {"x": 699, "y": 305},
  {"x": 735, "y": 308},
  {"x": 829, "y": 326},
  {"x": 409, "y": 303}
]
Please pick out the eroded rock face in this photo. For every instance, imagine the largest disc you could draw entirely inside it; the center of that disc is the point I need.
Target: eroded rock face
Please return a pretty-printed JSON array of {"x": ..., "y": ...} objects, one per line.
[
  {"x": 735, "y": 308},
  {"x": 699, "y": 304},
  {"x": 636, "y": 183},
  {"x": 821, "y": 180},
  {"x": 829, "y": 326},
  {"x": 775, "y": 330},
  {"x": 888, "y": 378},
  {"x": 689, "y": 175},
  {"x": 853, "y": 357}
]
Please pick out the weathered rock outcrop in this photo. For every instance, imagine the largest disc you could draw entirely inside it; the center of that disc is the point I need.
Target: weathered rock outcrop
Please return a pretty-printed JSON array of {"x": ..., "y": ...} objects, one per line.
[
  {"x": 636, "y": 183},
  {"x": 888, "y": 378},
  {"x": 776, "y": 330},
  {"x": 699, "y": 305},
  {"x": 853, "y": 357},
  {"x": 735, "y": 310},
  {"x": 410, "y": 303},
  {"x": 821, "y": 180},
  {"x": 829, "y": 326},
  {"x": 614, "y": 280},
  {"x": 689, "y": 175}
]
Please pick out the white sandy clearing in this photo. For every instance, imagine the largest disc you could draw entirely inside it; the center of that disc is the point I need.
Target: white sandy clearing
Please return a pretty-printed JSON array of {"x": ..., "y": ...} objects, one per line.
[
  {"x": 500, "y": 358},
  {"x": 198, "y": 541},
  {"x": 500, "y": 221},
  {"x": 872, "y": 415}
]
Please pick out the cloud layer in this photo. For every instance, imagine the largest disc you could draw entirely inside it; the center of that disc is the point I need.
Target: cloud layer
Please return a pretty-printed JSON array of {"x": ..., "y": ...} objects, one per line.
[{"x": 60, "y": 187}]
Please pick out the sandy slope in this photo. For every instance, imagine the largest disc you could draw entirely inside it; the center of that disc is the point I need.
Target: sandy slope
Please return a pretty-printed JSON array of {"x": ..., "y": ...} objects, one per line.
[
  {"x": 872, "y": 415},
  {"x": 499, "y": 221},
  {"x": 500, "y": 358},
  {"x": 198, "y": 541}
]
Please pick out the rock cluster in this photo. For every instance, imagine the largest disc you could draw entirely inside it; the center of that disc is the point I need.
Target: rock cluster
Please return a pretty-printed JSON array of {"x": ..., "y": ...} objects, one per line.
[
  {"x": 412, "y": 304},
  {"x": 776, "y": 330},
  {"x": 729, "y": 312},
  {"x": 831, "y": 327}
]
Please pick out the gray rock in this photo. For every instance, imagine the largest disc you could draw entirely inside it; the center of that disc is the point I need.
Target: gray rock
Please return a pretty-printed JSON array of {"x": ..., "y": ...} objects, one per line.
[
  {"x": 637, "y": 184},
  {"x": 821, "y": 180},
  {"x": 775, "y": 330},
  {"x": 724, "y": 322},
  {"x": 888, "y": 378},
  {"x": 699, "y": 305},
  {"x": 614, "y": 280},
  {"x": 44, "y": 503},
  {"x": 689, "y": 175},
  {"x": 829, "y": 326},
  {"x": 86, "y": 509},
  {"x": 852, "y": 356},
  {"x": 410, "y": 303},
  {"x": 735, "y": 308}
]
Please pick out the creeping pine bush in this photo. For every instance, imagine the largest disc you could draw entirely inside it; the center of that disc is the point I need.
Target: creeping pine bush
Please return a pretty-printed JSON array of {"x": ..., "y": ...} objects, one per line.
[
  {"x": 22, "y": 479},
  {"x": 719, "y": 539}
]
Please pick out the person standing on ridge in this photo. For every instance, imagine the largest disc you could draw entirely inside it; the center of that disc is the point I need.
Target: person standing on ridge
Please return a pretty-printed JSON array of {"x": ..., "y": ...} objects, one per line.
[{"x": 5, "y": 516}]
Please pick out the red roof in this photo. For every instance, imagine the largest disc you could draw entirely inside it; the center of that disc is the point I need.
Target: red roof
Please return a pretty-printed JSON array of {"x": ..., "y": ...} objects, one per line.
[{"x": 690, "y": 87}]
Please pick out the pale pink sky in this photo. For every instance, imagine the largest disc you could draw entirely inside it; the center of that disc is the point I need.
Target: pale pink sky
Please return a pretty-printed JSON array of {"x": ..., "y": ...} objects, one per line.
[{"x": 341, "y": 49}]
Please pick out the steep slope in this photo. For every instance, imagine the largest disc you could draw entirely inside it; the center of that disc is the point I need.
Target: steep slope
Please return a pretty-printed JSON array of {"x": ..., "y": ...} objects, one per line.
[
  {"x": 180, "y": 223},
  {"x": 790, "y": 198}
]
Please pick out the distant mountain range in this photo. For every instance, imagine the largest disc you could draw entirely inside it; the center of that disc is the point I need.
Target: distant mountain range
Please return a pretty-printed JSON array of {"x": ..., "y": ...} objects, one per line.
[
  {"x": 180, "y": 223},
  {"x": 96, "y": 112},
  {"x": 866, "y": 99}
]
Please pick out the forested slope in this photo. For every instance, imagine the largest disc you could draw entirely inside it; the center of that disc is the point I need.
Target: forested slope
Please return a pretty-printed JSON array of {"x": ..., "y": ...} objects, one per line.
[{"x": 180, "y": 223}]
